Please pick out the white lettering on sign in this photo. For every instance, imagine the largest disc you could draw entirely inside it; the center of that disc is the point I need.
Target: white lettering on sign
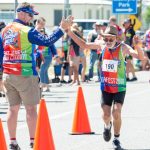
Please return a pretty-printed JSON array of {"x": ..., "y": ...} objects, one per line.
[{"x": 121, "y": 4}]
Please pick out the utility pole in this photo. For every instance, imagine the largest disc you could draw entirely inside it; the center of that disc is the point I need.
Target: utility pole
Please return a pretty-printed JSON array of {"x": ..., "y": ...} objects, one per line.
[
  {"x": 140, "y": 10},
  {"x": 15, "y": 7},
  {"x": 66, "y": 8}
]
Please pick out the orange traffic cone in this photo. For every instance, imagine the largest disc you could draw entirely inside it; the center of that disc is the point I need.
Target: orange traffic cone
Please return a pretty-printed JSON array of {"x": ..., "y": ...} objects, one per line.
[
  {"x": 2, "y": 138},
  {"x": 43, "y": 135},
  {"x": 81, "y": 122}
]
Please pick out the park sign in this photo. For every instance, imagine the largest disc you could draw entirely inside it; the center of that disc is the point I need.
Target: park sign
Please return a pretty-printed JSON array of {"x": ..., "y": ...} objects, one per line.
[{"x": 124, "y": 6}]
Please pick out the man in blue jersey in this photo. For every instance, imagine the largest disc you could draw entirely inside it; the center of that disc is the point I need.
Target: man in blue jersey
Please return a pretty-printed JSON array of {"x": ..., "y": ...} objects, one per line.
[{"x": 18, "y": 86}]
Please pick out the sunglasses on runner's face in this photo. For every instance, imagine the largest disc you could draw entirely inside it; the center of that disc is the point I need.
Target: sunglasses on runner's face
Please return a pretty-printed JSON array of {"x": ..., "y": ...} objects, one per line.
[{"x": 108, "y": 40}]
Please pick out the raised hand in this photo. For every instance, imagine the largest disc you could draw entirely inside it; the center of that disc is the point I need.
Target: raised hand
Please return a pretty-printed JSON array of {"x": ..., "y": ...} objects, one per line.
[{"x": 66, "y": 23}]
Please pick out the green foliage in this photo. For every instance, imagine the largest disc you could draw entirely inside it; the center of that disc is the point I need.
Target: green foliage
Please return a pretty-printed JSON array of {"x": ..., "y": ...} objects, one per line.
[{"x": 147, "y": 15}]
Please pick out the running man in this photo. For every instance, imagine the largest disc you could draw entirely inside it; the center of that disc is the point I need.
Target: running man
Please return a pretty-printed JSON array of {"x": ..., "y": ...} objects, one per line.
[{"x": 113, "y": 78}]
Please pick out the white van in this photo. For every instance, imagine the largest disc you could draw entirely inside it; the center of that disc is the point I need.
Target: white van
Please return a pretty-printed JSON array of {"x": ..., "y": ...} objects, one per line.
[{"x": 87, "y": 24}]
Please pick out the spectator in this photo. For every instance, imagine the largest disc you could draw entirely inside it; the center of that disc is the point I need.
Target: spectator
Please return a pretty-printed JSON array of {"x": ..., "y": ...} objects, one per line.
[
  {"x": 40, "y": 27},
  {"x": 65, "y": 61},
  {"x": 74, "y": 55},
  {"x": 113, "y": 22},
  {"x": 2, "y": 25},
  {"x": 47, "y": 53},
  {"x": 82, "y": 60},
  {"x": 45, "y": 56},
  {"x": 145, "y": 64},
  {"x": 93, "y": 53},
  {"x": 97, "y": 40},
  {"x": 129, "y": 34},
  {"x": 147, "y": 42}
]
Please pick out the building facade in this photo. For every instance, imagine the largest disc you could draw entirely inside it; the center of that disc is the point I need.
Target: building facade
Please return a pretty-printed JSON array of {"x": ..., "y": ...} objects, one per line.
[{"x": 53, "y": 11}]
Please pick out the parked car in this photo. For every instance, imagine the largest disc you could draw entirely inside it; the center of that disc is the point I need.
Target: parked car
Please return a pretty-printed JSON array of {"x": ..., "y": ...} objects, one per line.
[
  {"x": 87, "y": 24},
  {"x": 140, "y": 33}
]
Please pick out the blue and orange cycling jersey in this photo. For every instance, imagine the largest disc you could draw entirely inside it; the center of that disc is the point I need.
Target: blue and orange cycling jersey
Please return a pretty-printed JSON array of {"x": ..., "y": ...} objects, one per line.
[{"x": 17, "y": 48}]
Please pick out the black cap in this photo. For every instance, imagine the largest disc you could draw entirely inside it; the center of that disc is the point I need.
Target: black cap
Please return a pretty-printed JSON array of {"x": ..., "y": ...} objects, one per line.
[{"x": 128, "y": 20}]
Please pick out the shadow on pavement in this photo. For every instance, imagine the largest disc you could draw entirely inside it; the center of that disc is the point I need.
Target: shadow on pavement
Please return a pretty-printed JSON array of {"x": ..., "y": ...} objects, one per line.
[
  {"x": 131, "y": 82},
  {"x": 62, "y": 92},
  {"x": 58, "y": 97},
  {"x": 17, "y": 120},
  {"x": 135, "y": 149},
  {"x": 85, "y": 134},
  {"x": 56, "y": 101}
]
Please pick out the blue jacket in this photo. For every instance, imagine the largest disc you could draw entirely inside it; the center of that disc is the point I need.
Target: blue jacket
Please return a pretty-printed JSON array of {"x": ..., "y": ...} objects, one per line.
[{"x": 35, "y": 37}]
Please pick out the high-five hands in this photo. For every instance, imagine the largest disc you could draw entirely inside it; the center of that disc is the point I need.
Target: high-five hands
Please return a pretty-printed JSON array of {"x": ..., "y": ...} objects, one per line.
[{"x": 66, "y": 23}]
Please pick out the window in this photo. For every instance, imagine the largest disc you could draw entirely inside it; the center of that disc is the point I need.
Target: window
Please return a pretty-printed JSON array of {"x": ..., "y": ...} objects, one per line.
[
  {"x": 57, "y": 17},
  {"x": 97, "y": 14},
  {"x": 7, "y": 15},
  {"x": 89, "y": 14},
  {"x": 108, "y": 14},
  {"x": 102, "y": 12}
]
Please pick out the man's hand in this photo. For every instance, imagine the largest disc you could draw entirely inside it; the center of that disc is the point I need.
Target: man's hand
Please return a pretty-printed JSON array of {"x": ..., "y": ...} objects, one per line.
[
  {"x": 57, "y": 59},
  {"x": 66, "y": 23}
]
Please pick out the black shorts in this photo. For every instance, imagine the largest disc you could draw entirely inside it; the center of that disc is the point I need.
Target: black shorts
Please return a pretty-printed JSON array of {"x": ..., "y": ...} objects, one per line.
[
  {"x": 112, "y": 98},
  {"x": 128, "y": 57}
]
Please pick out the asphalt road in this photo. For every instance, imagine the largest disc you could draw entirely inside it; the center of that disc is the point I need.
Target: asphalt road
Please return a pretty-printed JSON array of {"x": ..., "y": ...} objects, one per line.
[{"x": 135, "y": 132}]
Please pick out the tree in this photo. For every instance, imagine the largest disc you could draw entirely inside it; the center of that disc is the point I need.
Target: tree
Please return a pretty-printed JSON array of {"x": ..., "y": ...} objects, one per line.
[
  {"x": 139, "y": 10},
  {"x": 147, "y": 15}
]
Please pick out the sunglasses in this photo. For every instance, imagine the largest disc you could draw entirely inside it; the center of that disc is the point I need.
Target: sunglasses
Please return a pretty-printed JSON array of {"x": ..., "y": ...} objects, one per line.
[
  {"x": 108, "y": 40},
  {"x": 30, "y": 15},
  {"x": 41, "y": 31}
]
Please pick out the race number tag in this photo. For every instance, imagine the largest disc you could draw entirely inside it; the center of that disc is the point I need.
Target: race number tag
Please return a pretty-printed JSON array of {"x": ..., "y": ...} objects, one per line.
[{"x": 109, "y": 65}]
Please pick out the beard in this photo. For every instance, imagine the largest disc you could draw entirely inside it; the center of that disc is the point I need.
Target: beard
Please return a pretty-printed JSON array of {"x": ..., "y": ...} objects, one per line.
[{"x": 112, "y": 45}]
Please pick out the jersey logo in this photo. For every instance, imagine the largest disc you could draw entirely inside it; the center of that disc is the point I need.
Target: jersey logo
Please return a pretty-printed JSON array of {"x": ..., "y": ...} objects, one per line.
[{"x": 11, "y": 38}]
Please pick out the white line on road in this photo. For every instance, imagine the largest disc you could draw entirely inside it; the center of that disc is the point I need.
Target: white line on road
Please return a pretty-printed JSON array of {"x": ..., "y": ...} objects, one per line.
[{"x": 70, "y": 112}]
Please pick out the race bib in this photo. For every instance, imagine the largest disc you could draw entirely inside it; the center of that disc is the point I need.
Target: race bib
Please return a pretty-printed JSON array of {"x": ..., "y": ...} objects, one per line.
[{"x": 109, "y": 65}]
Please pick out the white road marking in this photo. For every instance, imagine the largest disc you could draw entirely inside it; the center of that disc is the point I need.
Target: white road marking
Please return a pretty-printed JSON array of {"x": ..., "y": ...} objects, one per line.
[{"x": 70, "y": 112}]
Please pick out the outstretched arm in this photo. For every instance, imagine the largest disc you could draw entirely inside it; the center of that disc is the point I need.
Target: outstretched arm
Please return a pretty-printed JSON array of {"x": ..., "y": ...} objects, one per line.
[
  {"x": 138, "y": 53},
  {"x": 82, "y": 43},
  {"x": 35, "y": 37}
]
